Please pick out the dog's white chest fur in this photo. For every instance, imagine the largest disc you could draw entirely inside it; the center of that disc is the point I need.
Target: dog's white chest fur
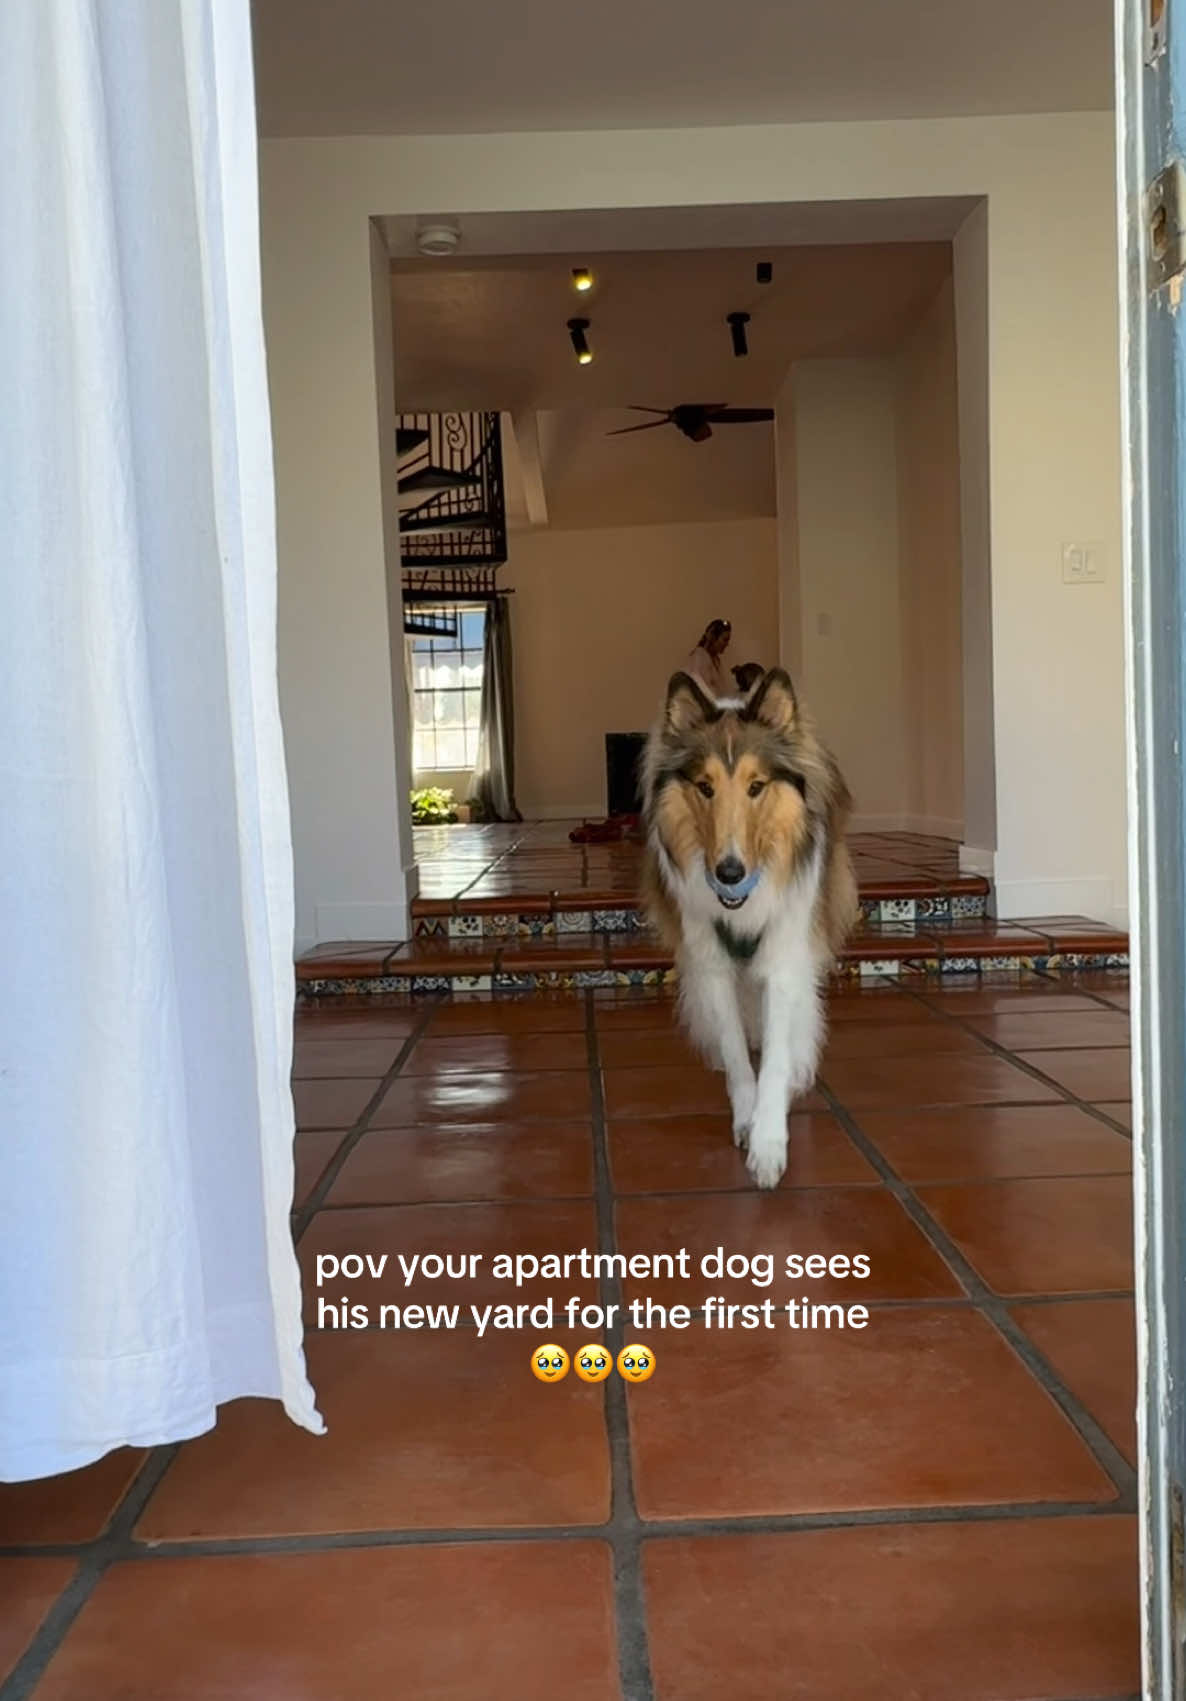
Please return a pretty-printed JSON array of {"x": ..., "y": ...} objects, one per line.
[{"x": 755, "y": 991}]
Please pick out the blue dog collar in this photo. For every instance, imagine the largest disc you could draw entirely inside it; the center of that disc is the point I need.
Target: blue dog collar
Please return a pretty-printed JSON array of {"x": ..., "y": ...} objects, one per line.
[{"x": 733, "y": 894}]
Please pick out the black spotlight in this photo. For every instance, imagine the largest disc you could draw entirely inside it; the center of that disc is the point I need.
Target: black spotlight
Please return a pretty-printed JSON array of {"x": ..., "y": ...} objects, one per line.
[
  {"x": 765, "y": 271},
  {"x": 737, "y": 323},
  {"x": 580, "y": 343}
]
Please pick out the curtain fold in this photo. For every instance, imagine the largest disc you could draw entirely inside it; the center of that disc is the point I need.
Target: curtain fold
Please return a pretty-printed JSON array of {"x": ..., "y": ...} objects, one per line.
[
  {"x": 146, "y": 1123},
  {"x": 410, "y": 693},
  {"x": 494, "y": 781}
]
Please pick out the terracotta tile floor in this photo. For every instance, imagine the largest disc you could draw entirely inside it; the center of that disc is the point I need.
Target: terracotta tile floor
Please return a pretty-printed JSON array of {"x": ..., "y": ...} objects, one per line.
[
  {"x": 921, "y": 1486},
  {"x": 505, "y": 861}
]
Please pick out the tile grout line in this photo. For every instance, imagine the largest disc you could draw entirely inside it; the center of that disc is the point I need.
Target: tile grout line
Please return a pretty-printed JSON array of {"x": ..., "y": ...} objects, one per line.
[
  {"x": 666, "y": 1529},
  {"x": 626, "y": 1528},
  {"x": 737, "y": 1189},
  {"x": 115, "y": 1540},
  {"x": 315, "y": 1198},
  {"x": 1031, "y": 1069},
  {"x": 26, "y": 1675},
  {"x": 1057, "y": 977},
  {"x": 634, "y": 1662},
  {"x": 1105, "y": 1452}
]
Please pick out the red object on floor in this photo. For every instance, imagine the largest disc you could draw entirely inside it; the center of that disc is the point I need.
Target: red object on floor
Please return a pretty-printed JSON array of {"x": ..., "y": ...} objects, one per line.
[{"x": 613, "y": 829}]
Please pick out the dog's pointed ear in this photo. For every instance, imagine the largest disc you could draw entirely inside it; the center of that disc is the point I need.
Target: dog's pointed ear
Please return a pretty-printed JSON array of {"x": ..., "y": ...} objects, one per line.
[
  {"x": 687, "y": 706},
  {"x": 773, "y": 703}
]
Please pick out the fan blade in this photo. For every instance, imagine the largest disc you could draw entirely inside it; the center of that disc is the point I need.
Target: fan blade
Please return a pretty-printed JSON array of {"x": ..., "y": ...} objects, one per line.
[
  {"x": 625, "y": 430},
  {"x": 634, "y": 408},
  {"x": 742, "y": 416}
]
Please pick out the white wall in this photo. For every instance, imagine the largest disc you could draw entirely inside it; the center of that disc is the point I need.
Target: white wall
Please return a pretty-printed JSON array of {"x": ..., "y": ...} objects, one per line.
[
  {"x": 970, "y": 259},
  {"x": 327, "y": 323},
  {"x": 869, "y": 571},
  {"x": 600, "y": 620},
  {"x": 850, "y": 668},
  {"x": 1053, "y": 430},
  {"x": 926, "y": 424},
  {"x": 786, "y": 475}
]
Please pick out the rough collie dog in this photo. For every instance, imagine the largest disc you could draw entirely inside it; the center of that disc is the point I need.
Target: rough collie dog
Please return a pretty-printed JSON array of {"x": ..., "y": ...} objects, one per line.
[{"x": 750, "y": 884}]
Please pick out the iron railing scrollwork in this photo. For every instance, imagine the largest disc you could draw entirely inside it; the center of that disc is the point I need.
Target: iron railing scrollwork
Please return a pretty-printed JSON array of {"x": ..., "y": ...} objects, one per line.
[{"x": 456, "y": 538}]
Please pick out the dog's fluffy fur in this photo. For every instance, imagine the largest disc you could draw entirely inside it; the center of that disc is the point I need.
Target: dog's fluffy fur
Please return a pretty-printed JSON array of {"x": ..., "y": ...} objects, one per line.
[{"x": 734, "y": 790}]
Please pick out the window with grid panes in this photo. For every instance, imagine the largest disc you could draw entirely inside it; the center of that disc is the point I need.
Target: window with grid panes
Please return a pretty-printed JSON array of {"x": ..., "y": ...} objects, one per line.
[{"x": 447, "y": 695}]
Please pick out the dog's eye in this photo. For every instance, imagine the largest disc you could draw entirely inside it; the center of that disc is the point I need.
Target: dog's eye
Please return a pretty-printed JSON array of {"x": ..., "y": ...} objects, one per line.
[
  {"x": 757, "y": 787},
  {"x": 704, "y": 788}
]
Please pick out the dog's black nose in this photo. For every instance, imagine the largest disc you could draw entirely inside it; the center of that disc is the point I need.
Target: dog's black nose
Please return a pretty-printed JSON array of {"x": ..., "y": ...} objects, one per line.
[{"x": 730, "y": 871}]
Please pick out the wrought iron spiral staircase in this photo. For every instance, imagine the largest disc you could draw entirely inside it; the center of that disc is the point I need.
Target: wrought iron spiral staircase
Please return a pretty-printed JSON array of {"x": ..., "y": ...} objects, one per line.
[{"x": 453, "y": 534}]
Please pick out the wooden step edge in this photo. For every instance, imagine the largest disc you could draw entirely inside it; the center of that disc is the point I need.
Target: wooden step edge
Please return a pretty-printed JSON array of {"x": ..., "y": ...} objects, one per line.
[
  {"x": 553, "y": 902},
  {"x": 595, "y": 954}
]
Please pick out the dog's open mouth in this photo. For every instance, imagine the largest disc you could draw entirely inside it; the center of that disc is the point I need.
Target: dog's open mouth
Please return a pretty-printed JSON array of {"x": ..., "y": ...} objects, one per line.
[{"x": 731, "y": 903}]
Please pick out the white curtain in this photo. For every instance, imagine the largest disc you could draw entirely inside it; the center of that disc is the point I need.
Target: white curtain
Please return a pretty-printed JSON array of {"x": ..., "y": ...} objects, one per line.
[{"x": 146, "y": 1268}]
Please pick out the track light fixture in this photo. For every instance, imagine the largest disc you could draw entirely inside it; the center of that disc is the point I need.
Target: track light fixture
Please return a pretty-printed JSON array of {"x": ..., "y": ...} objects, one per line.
[
  {"x": 580, "y": 343},
  {"x": 737, "y": 323},
  {"x": 582, "y": 278}
]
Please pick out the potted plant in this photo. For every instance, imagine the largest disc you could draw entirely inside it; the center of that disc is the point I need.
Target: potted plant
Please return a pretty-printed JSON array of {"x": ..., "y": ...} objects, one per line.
[{"x": 432, "y": 806}]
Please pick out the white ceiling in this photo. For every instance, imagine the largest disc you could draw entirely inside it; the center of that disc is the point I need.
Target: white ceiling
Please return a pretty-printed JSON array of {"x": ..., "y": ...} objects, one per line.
[
  {"x": 651, "y": 478},
  {"x": 360, "y": 67},
  {"x": 491, "y": 333},
  {"x": 602, "y": 230}
]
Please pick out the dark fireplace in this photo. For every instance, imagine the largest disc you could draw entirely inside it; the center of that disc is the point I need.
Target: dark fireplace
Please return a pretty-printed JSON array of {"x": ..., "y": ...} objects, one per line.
[{"x": 623, "y": 752}]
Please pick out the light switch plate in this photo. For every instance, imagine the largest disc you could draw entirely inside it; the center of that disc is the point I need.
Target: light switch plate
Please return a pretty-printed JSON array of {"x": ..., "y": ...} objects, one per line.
[{"x": 1082, "y": 563}]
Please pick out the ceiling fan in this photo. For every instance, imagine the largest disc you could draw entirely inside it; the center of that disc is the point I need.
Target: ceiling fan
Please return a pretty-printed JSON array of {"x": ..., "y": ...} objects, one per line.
[{"x": 696, "y": 419}]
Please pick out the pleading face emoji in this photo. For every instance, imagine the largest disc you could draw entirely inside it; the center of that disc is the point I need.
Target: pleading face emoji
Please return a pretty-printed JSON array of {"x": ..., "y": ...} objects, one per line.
[
  {"x": 593, "y": 1363},
  {"x": 636, "y": 1364},
  {"x": 549, "y": 1363}
]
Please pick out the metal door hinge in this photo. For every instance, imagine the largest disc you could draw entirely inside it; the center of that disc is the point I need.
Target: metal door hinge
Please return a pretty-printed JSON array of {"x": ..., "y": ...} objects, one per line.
[
  {"x": 1154, "y": 30},
  {"x": 1165, "y": 208}
]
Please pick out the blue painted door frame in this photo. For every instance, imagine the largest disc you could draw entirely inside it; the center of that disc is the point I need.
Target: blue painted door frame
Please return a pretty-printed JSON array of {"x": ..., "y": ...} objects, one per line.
[{"x": 1151, "y": 121}]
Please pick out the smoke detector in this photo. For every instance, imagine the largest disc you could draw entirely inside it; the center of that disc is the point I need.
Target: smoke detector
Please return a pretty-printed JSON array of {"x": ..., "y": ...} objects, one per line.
[{"x": 439, "y": 237}]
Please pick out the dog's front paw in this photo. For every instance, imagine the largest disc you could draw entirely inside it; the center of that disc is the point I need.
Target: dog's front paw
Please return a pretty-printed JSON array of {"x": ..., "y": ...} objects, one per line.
[
  {"x": 766, "y": 1159},
  {"x": 743, "y": 1098}
]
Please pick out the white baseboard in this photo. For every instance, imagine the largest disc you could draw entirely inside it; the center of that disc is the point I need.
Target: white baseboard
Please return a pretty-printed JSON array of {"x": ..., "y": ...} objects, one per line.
[
  {"x": 361, "y": 921},
  {"x": 1094, "y": 897},
  {"x": 974, "y": 860}
]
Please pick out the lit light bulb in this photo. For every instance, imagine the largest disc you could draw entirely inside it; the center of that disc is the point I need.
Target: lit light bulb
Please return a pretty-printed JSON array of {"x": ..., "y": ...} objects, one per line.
[{"x": 580, "y": 343}]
